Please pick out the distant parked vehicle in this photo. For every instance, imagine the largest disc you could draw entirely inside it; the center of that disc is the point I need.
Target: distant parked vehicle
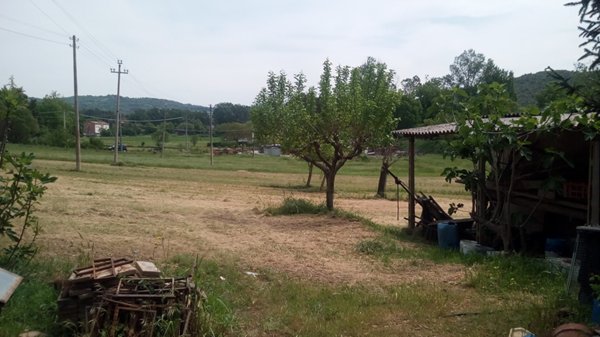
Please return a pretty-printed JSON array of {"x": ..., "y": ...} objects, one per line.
[{"x": 122, "y": 148}]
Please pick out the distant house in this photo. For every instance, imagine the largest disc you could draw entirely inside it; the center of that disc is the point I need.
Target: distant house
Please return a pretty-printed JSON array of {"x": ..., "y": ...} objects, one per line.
[{"x": 94, "y": 128}]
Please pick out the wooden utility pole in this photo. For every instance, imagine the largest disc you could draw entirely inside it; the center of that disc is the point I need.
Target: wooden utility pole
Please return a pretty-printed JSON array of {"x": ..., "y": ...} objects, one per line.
[
  {"x": 162, "y": 143},
  {"x": 411, "y": 183},
  {"x": 76, "y": 107},
  {"x": 118, "y": 113},
  {"x": 187, "y": 147},
  {"x": 210, "y": 121}
]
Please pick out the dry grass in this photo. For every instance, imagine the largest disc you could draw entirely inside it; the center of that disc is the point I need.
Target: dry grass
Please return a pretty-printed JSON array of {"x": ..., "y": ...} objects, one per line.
[{"x": 158, "y": 212}]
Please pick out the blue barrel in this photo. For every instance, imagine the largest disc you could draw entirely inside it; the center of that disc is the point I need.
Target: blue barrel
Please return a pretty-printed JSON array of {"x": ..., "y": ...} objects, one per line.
[
  {"x": 447, "y": 233},
  {"x": 596, "y": 312},
  {"x": 555, "y": 247}
]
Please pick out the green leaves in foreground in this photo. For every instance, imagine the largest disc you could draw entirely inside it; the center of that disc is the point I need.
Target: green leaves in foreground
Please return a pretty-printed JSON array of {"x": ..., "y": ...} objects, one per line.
[{"x": 21, "y": 187}]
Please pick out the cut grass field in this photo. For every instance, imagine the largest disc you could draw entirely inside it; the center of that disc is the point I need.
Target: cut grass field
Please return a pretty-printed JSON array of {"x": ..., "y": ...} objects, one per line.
[{"x": 348, "y": 273}]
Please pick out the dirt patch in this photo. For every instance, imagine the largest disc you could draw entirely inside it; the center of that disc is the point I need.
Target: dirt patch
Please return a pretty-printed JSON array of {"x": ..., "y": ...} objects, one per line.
[{"x": 154, "y": 218}]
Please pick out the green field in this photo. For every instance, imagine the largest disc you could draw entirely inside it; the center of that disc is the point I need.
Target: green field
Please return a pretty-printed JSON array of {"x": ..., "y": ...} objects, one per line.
[{"x": 430, "y": 165}]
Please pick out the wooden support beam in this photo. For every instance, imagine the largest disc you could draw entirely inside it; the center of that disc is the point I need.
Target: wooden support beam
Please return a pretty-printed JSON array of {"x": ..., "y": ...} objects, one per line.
[
  {"x": 481, "y": 201},
  {"x": 594, "y": 206},
  {"x": 411, "y": 182}
]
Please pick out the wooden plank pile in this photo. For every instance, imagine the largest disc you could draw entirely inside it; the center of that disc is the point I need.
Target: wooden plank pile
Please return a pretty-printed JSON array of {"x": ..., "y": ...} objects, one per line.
[{"x": 122, "y": 297}]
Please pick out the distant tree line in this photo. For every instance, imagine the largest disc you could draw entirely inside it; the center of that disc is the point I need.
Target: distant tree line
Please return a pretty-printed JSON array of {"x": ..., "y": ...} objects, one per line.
[{"x": 51, "y": 121}]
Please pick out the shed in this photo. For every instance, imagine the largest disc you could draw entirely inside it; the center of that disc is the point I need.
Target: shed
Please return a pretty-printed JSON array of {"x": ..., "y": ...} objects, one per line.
[{"x": 579, "y": 202}]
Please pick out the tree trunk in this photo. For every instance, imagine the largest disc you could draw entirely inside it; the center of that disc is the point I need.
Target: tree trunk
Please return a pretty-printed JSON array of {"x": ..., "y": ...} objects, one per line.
[
  {"x": 322, "y": 183},
  {"x": 310, "y": 172},
  {"x": 330, "y": 188},
  {"x": 382, "y": 178}
]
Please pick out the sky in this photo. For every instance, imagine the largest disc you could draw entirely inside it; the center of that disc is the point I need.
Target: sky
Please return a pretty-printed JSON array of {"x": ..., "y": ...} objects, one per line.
[{"x": 207, "y": 52}]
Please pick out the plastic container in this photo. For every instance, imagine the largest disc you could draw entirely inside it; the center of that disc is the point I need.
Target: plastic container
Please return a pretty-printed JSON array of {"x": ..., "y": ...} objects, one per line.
[
  {"x": 555, "y": 247},
  {"x": 448, "y": 235},
  {"x": 596, "y": 312},
  {"x": 468, "y": 246},
  {"x": 472, "y": 247}
]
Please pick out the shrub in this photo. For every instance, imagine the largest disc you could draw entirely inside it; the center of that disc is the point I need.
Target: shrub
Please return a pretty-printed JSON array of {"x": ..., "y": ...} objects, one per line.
[
  {"x": 93, "y": 143},
  {"x": 296, "y": 206},
  {"x": 21, "y": 186}
]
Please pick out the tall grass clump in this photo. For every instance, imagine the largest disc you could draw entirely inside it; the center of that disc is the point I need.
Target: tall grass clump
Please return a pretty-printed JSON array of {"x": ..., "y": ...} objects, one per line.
[{"x": 291, "y": 206}]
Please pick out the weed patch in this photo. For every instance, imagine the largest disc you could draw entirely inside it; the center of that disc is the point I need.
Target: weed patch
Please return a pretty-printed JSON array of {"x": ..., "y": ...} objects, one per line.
[{"x": 291, "y": 206}]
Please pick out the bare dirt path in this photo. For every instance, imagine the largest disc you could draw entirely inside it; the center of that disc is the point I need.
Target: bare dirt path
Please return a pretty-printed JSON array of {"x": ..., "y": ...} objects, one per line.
[{"x": 146, "y": 217}]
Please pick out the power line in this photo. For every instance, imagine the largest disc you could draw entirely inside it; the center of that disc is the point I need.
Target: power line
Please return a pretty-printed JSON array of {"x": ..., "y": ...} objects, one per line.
[
  {"x": 151, "y": 120},
  {"x": 133, "y": 121},
  {"x": 32, "y": 26},
  {"x": 98, "y": 57},
  {"x": 141, "y": 86},
  {"x": 101, "y": 46},
  {"x": 49, "y": 17},
  {"x": 32, "y": 36}
]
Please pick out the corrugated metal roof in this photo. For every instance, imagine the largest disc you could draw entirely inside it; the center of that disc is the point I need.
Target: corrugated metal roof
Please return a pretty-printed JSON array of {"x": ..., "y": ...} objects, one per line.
[
  {"x": 428, "y": 130},
  {"x": 450, "y": 128}
]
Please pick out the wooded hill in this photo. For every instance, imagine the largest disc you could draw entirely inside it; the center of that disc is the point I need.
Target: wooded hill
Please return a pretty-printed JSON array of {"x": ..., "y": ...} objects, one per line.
[
  {"x": 131, "y": 104},
  {"x": 529, "y": 86}
]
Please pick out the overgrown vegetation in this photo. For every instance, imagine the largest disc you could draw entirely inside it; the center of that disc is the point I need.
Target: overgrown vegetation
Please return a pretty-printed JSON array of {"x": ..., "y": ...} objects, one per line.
[{"x": 21, "y": 187}]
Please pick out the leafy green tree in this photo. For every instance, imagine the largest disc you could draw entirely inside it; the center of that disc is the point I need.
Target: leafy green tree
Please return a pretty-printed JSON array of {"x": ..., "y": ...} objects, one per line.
[
  {"x": 17, "y": 124},
  {"x": 53, "y": 112},
  {"x": 231, "y": 113},
  {"x": 427, "y": 94},
  {"x": 161, "y": 135},
  {"x": 234, "y": 131},
  {"x": 56, "y": 120},
  {"x": 332, "y": 124},
  {"x": 470, "y": 69}
]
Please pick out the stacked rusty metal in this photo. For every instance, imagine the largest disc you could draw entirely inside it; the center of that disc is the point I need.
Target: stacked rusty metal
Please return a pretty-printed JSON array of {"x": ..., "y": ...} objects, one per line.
[{"x": 122, "y": 297}]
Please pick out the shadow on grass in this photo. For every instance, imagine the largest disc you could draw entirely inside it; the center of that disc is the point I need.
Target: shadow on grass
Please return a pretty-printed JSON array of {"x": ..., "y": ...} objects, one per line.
[{"x": 303, "y": 187}]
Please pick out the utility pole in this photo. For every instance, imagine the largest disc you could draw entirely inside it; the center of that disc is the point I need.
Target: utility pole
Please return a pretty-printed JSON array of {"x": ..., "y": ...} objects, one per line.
[
  {"x": 210, "y": 121},
  {"x": 162, "y": 143},
  {"x": 76, "y": 107},
  {"x": 118, "y": 72},
  {"x": 187, "y": 148}
]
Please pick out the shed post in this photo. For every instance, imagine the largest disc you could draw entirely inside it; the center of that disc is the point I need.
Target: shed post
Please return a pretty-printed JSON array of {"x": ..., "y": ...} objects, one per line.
[
  {"x": 481, "y": 198},
  {"x": 594, "y": 207},
  {"x": 411, "y": 182}
]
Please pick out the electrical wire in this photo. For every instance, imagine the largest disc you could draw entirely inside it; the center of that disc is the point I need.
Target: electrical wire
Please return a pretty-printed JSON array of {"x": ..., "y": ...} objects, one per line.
[
  {"x": 31, "y": 26},
  {"x": 133, "y": 121},
  {"x": 141, "y": 86},
  {"x": 104, "y": 53},
  {"x": 101, "y": 46},
  {"x": 49, "y": 17},
  {"x": 151, "y": 120},
  {"x": 33, "y": 36},
  {"x": 96, "y": 56}
]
